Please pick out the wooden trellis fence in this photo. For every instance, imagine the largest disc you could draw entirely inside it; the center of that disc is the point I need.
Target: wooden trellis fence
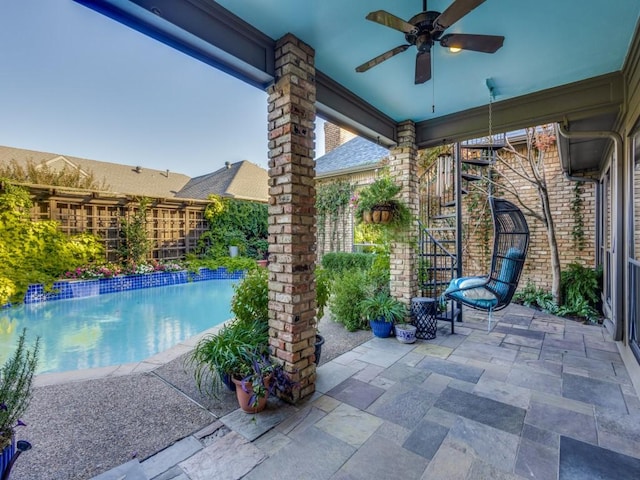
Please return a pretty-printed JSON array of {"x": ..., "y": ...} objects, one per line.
[{"x": 174, "y": 224}]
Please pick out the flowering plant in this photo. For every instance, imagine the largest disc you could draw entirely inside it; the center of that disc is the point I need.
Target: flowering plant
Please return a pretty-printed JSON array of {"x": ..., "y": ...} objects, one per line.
[
  {"x": 16, "y": 379},
  {"x": 259, "y": 375},
  {"x": 109, "y": 270}
]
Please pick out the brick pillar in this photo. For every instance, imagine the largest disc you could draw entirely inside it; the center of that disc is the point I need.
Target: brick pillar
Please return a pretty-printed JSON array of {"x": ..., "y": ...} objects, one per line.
[
  {"x": 403, "y": 166},
  {"x": 292, "y": 231}
]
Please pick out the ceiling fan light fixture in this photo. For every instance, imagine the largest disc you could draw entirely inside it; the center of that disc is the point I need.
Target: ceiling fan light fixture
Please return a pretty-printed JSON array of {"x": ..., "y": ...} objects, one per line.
[{"x": 426, "y": 29}]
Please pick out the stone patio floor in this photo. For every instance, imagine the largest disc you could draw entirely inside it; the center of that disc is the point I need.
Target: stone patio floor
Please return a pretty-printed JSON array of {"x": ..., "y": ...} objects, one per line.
[{"x": 538, "y": 397}]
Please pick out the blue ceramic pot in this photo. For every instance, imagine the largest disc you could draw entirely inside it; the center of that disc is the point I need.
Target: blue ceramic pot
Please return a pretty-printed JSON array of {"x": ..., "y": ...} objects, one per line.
[
  {"x": 7, "y": 455},
  {"x": 381, "y": 328}
]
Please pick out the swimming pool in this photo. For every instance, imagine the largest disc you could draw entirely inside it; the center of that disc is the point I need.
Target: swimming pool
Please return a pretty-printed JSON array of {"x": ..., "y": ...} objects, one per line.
[{"x": 116, "y": 328}]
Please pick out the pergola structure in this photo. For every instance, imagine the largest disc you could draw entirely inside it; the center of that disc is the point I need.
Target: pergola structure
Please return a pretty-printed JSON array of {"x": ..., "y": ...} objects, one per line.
[{"x": 574, "y": 62}]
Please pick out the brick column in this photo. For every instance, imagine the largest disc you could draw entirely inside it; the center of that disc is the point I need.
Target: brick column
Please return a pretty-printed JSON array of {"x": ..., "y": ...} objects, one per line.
[
  {"x": 403, "y": 167},
  {"x": 292, "y": 249}
]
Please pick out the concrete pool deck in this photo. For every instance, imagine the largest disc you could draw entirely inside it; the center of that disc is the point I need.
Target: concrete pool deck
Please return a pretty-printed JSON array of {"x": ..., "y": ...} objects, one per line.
[{"x": 537, "y": 397}]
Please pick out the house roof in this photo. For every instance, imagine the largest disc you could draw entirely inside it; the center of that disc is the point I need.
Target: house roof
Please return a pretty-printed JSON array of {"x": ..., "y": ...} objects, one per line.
[
  {"x": 358, "y": 153},
  {"x": 119, "y": 178},
  {"x": 243, "y": 180}
]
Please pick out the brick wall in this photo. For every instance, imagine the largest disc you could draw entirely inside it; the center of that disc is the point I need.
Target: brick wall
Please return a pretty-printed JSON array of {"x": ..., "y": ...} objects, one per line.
[
  {"x": 334, "y": 136},
  {"x": 561, "y": 195}
]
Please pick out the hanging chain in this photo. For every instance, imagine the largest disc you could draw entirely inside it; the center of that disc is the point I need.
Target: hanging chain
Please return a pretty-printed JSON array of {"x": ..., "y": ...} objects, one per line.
[
  {"x": 490, "y": 118},
  {"x": 433, "y": 84}
]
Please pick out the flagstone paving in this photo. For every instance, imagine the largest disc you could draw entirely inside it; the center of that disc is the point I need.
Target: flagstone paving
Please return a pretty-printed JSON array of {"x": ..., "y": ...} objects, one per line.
[{"x": 538, "y": 397}]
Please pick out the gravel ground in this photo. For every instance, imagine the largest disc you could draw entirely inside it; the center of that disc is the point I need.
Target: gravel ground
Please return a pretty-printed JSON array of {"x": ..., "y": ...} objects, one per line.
[{"x": 80, "y": 429}]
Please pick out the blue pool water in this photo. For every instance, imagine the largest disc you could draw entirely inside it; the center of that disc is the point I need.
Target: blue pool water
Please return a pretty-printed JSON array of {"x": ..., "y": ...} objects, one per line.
[{"x": 116, "y": 328}]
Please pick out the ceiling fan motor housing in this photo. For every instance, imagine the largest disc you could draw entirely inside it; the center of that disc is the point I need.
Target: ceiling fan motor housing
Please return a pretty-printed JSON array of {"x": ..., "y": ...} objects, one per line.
[{"x": 424, "y": 38}]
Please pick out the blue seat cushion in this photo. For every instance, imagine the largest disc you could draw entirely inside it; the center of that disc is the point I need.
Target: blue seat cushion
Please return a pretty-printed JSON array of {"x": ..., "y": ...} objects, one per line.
[
  {"x": 508, "y": 271},
  {"x": 470, "y": 291}
]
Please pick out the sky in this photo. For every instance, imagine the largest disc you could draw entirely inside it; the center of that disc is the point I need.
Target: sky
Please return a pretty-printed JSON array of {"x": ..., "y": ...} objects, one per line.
[{"x": 75, "y": 82}]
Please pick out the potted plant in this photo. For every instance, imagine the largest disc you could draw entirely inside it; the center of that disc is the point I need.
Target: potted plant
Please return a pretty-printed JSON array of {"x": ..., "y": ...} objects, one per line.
[
  {"x": 382, "y": 310},
  {"x": 378, "y": 203},
  {"x": 16, "y": 388},
  {"x": 216, "y": 357},
  {"x": 323, "y": 291},
  {"x": 256, "y": 377},
  {"x": 405, "y": 332}
]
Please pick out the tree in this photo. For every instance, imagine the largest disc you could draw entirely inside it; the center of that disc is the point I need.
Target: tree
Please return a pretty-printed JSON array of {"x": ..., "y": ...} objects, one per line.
[
  {"x": 43, "y": 174},
  {"x": 135, "y": 244},
  {"x": 528, "y": 165}
]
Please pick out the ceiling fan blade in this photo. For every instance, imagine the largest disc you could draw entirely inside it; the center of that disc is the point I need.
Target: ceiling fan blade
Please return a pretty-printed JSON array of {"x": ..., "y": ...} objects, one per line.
[
  {"x": 477, "y": 43},
  {"x": 457, "y": 10},
  {"x": 423, "y": 67},
  {"x": 381, "y": 58},
  {"x": 389, "y": 20}
]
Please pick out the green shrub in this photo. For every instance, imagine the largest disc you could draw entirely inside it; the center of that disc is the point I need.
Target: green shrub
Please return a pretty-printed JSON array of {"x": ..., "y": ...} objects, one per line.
[
  {"x": 580, "y": 287},
  {"x": 231, "y": 264},
  {"x": 339, "y": 262},
  {"x": 534, "y": 297},
  {"x": 234, "y": 222},
  {"x": 379, "y": 274},
  {"x": 250, "y": 301},
  {"x": 349, "y": 289},
  {"x": 323, "y": 290}
]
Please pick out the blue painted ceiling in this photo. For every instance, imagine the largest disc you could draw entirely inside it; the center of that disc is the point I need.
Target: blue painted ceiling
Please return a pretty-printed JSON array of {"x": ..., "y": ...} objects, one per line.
[{"x": 548, "y": 43}]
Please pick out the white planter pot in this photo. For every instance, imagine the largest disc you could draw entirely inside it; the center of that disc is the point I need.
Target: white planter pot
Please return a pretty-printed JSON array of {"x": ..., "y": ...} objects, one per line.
[
  {"x": 405, "y": 333},
  {"x": 233, "y": 251}
]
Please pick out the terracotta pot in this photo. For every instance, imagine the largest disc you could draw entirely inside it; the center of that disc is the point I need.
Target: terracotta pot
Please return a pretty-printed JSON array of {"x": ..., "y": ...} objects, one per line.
[{"x": 244, "y": 397}]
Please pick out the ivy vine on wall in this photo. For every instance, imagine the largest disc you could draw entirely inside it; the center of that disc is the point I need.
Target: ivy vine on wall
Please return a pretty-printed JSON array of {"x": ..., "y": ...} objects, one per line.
[
  {"x": 332, "y": 203},
  {"x": 237, "y": 223},
  {"x": 577, "y": 204}
]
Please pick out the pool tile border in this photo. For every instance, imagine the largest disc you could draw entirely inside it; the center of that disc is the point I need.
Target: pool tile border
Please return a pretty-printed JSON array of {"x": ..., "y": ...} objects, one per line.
[{"x": 68, "y": 289}]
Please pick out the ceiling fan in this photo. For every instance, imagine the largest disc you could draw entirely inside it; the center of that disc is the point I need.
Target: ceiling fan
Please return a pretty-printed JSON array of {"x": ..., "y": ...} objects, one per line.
[{"x": 427, "y": 28}]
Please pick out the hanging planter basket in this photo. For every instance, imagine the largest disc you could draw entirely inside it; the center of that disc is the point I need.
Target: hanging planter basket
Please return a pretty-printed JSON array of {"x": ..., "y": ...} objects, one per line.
[{"x": 382, "y": 213}]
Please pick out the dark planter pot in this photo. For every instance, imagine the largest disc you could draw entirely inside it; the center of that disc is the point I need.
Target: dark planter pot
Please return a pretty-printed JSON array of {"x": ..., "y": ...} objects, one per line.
[
  {"x": 381, "y": 328},
  {"x": 318, "y": 345},
  {"x": 228, "y": 382}
]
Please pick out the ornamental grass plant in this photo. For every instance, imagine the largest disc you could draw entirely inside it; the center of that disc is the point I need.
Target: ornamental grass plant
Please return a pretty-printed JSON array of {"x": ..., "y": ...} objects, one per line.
[{"x": 16, "y": 387}]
